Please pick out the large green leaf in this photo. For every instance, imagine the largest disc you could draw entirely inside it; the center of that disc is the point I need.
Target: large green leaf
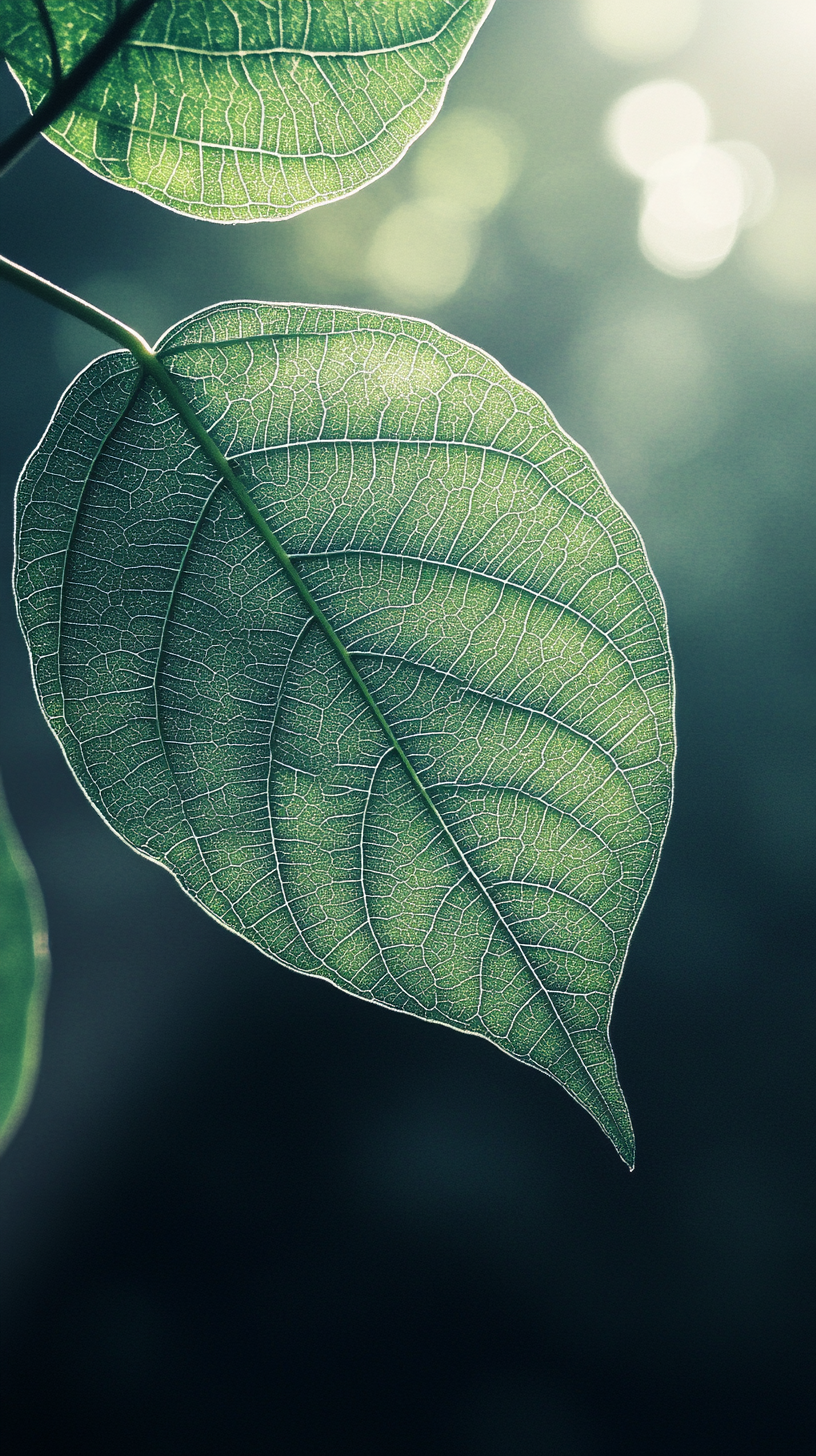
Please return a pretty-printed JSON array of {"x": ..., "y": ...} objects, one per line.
[
  {"x": 242, "y": 109},
  {"x": 496, "y": 601},
  {"x": 23, "y": 975}
]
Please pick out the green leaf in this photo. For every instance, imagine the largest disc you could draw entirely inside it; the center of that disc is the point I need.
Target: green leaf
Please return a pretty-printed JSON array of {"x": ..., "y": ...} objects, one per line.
[
  {"x": 23, "y": 976},
  {"x": 496, "y": 602},
  {"x": 245, "y": 110}
]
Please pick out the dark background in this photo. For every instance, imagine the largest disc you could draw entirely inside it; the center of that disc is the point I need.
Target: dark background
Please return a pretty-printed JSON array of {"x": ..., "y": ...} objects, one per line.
[{"x": 248, "y": 1213}]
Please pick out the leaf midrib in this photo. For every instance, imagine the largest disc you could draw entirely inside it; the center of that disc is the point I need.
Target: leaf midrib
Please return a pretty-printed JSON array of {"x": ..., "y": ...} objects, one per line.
[
  {"x": 212, "y": 451},
  {"x": 563, "y": 608},
  {"x": 391, "y": 737},
  {"x": 520, "y": 707},
  {"x": 200, "y": 144},
  {"x": 485, "y": 448},
  {"x": 306, "y": 52}
]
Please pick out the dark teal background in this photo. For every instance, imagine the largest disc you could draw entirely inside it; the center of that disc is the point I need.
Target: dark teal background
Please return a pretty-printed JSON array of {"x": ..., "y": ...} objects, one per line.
[{"x": 247, "y": 1213}]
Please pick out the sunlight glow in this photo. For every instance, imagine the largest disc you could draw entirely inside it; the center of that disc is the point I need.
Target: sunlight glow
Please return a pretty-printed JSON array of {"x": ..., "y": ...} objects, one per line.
[
  {"x": 652, "y": 123},
  {"x": 423, "y": 250},
  {"x": 690, "y": 219},
  {"x": 758, "y": 180},
  {"x": 421, "y": 253},
  {"x": 696, "y": 195},
  {"x": 466, "y": 159},
  {"x": 781, "y": 253},
  {"x": 639, "y": 31}
]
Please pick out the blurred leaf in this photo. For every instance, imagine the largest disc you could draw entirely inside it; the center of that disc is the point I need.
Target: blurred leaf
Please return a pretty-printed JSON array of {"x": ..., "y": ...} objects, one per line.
[
  {"x": 23, "y": 976},
  {"x": 482, "y": 866},
  {"x": 246, "y": 110}
]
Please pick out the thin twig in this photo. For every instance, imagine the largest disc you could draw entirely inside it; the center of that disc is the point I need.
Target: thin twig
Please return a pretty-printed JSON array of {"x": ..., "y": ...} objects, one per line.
[
  {"x": 56, "y": 62},
  {"x": 69, "y": 86}
]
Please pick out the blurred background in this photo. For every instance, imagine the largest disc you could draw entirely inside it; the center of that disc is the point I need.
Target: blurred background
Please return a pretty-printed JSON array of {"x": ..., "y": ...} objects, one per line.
[{"x": 247, "y": 1213}]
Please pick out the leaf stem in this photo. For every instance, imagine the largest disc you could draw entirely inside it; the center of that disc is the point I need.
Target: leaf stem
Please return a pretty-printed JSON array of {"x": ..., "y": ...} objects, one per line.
[
  {"x": 105, "y": 323},
  {"x": 66, "y": 88}
]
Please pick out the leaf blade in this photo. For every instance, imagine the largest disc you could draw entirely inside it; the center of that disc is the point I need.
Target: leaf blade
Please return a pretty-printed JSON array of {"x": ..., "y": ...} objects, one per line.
[
  {"x": 493, "y": 595},
  {"x": 240, "y": 113},
  {"x": 24, "y": 971}
]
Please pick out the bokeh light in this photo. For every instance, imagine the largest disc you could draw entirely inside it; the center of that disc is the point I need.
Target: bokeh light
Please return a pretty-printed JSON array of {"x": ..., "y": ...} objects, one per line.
[
  {"x": 423, "y": 251},
  {"x": 690, "y": 219},
  {"x": 781, "y": 252},
  {"x": 697, "y": 196},
  {"x": 332, "y": 243},
  {"x": 652, "y": 123},
  {"x": 759, "y": 183},
  {"x": 469, "y": 158},
  {"x": 639, "y": 31}
]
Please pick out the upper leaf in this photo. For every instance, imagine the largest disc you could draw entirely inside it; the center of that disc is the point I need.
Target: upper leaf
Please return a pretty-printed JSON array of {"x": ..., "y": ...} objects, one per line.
[
  {"x": 496, "y": 601},
  {"x": 23, "y": 975},
  {"x": 236, "y": 110}
]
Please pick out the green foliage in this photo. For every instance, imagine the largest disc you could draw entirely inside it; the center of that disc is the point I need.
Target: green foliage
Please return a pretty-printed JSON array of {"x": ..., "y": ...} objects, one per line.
[
  {"x": 496, "y": 603},
  {"x": 23, "y": 975},
  {"x": 430, "y": 760},
  {"x": 245, "y": 110}
]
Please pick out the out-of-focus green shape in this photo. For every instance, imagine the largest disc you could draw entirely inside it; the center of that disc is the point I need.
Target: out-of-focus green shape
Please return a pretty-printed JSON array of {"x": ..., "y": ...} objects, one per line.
[
  {"x": 234, "y": 110},
  {"x": 23, "y": 975},
  {"x": 496, "y": 602}
]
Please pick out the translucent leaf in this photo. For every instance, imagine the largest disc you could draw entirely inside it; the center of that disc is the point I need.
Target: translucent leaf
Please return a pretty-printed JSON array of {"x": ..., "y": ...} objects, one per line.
[
  {"x": 494, "y": 598},
  {"x": 23, "y": 975},
  {"x": 245, "y": 110}
]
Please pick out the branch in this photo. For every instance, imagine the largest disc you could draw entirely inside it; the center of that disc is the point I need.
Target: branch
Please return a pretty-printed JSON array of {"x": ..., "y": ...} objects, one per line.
[
  {"x": 67, "y": 88},
  {"x": 56, "y": 60}
]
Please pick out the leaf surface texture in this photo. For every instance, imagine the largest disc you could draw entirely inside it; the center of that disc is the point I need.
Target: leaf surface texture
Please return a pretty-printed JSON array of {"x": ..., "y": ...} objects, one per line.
[
  {"x": 246, "y": 110},
  {"x": 493, "y": 596}
]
